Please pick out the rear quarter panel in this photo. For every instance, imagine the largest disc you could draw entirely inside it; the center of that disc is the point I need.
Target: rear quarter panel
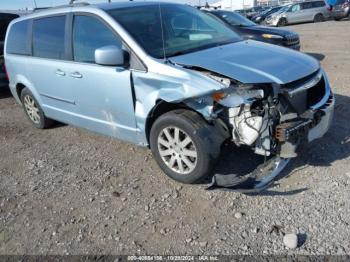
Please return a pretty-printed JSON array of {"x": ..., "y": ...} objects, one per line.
[{"x": 17, "y": 68}]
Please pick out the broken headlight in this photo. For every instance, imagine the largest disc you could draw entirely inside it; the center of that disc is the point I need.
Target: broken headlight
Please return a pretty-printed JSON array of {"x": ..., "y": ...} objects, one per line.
[{"x": 238, "y": 96}]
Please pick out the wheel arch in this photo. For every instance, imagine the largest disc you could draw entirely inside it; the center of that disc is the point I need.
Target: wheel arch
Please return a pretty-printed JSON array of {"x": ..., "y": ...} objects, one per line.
[
  {"x": 319, "y": 14},
  {"x": 159, "y": 109},
  {"x": 281, "y": 19},
  {"x": 21, "y": 82},
  {"x": 19, "y": 89}
]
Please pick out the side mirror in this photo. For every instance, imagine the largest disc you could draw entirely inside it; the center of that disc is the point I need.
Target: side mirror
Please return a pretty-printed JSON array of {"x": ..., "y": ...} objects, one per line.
[{"x": 110, "y": 56}]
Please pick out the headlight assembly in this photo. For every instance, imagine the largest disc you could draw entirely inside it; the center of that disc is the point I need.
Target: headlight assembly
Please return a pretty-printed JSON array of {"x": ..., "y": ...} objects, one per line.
[{"x": 271, "y": 36}]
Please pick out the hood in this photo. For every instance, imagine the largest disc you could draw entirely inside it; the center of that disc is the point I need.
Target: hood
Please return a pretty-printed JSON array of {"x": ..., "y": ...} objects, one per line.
[
  {"x": 269, "y": 30},
  {"x": 252, "y": 62}
]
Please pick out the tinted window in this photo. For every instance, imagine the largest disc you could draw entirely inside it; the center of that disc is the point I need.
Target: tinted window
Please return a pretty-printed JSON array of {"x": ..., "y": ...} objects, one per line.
[
  {"x": 17, "y": 41},
  {"x": 307, "y": 5},
  {"x": 48, "y": 37},
  {"x": 89, "y": 34},
  {"x": 318, "y": 4},
  {"x": 296, "y": 8}
]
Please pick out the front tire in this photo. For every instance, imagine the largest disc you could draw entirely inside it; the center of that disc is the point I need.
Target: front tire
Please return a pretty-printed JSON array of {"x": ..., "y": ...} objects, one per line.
[
  {"x": 319, "y": 18},
  {"x": 181, "y": 145},
  {"x": 33, "y": 110},
  {"x": 282, "y": 22}
]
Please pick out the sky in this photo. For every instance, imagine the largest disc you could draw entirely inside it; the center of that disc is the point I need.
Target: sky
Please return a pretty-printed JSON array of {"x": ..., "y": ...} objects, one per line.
[{"x": 22, "y": 4}]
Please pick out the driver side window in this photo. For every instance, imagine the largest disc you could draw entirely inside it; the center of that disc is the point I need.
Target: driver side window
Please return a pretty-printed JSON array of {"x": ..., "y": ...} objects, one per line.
[
  {"x": 296, "y": 8},
  {"x": 89, "y": 34}
]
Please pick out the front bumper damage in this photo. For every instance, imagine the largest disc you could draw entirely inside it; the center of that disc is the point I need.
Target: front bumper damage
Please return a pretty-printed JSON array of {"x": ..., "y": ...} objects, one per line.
[
  {"x": 293, "y": 130},
  {"x": 265, "y": 174},
  {"x": 255, "y": 182}
]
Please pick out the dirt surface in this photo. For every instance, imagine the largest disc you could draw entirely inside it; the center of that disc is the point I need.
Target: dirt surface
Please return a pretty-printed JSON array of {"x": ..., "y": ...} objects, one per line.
[{"x": 68, "y": 191}]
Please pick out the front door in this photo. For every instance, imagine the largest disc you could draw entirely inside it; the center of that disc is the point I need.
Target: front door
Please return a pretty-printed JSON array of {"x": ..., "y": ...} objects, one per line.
[
  {"x": 103, "y": 94},
  {"x": 294, "y": 16}
]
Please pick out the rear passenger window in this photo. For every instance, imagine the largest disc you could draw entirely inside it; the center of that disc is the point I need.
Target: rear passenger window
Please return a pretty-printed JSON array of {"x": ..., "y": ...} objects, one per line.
[
  {"x": 318, "y": 4},
  {"x": 48, "y": 37},
  {"x": 18, "y": 38},
  {"x": 307, "y": 5},
  {"x": 89, "y": 34}
]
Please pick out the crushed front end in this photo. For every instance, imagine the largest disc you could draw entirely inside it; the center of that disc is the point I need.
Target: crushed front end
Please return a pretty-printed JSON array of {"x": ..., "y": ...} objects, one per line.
[{"x": 272, "y": 119}]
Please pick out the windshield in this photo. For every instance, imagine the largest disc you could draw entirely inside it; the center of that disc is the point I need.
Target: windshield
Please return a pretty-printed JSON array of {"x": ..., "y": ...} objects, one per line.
[
  {"x": 271, "y": 11},
  {"x": 234, "y": 18},
  {"x": 185, "y": 29},
  {"x": 284, "y": 9}
]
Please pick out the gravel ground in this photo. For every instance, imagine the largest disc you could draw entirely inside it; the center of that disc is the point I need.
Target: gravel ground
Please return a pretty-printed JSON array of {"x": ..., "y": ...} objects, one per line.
[{"x": 68, "y": 191}]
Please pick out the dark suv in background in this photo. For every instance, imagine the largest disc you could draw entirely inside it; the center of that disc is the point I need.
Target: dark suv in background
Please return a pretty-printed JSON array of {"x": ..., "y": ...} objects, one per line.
[
  {"x": 5, "y": 19},
  {"x": 249, "y": 30}
]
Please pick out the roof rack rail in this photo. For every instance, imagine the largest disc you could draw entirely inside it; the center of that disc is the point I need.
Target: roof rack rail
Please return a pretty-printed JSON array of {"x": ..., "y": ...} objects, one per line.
[{"x": 62, "y": 6}]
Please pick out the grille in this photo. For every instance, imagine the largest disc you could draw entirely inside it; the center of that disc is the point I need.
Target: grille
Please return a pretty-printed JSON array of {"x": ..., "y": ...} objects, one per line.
[
  {"x": 292, "y": 39},
  {"x": 304, "y": 99},
  {"x": 316, "y": 93}
]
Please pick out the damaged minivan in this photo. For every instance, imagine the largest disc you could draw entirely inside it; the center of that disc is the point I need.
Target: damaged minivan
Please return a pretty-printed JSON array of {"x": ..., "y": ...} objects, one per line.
[{"x": 169, "y": 77}]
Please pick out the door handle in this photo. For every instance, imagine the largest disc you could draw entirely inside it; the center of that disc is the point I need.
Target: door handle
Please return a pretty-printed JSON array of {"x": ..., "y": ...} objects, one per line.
[
  {"x": 59, "y": 72},
  {"x": 76, "y": 75}
]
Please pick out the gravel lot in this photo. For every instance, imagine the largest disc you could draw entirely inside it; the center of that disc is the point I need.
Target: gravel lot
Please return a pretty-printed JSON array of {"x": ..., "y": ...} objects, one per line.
[{"x": 68, "y": 191}]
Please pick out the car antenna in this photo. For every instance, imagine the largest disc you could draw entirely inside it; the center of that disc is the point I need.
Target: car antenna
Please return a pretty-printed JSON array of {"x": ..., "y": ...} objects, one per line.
[{"x": 162, "y": 31}]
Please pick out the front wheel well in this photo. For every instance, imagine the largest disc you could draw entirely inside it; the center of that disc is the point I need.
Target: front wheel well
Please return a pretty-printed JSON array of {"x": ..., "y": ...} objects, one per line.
[{"x": 159, "y": 109}]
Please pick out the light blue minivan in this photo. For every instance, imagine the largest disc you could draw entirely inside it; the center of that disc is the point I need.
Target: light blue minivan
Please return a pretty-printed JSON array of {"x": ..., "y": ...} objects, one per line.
[{"x": 169, "y": 77}]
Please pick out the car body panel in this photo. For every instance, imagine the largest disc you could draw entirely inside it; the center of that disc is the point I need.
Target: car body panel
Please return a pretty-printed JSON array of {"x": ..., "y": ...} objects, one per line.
[
  {"x": 256, "y": 32},
  {"x": 246, "y": 62}
]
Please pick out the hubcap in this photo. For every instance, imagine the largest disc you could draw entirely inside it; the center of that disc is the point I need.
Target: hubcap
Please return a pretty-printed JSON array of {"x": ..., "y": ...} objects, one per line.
[
  {"x": 177, "y": 150},
  {"x": 31, "y": 109}
]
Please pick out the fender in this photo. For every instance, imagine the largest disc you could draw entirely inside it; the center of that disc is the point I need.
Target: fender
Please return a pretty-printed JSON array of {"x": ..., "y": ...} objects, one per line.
[{"x": 21, "y": 79}]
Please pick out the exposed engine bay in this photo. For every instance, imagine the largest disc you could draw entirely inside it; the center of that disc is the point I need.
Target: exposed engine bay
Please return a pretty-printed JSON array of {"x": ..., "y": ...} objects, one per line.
[{"x": 271, "y": 119}]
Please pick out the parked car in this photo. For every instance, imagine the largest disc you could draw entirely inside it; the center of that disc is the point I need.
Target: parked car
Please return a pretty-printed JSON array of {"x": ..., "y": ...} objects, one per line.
[
  {"x": 341, "y": 10},
  {"x": 249, "y": 30},
  {"x": 253, "y": 11},
  {"x": 169, "y": 77},
  {"x": 241, "y": 12},
  {"x": 310, "y": 11},
  {"x": 5, "y": 19},
  {"x": 260, "y": 18}
]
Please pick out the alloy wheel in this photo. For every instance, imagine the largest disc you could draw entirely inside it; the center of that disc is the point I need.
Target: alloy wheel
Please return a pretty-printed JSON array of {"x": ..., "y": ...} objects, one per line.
[
  {"x": 32, "y": 109},
  {"x": 177, "y": 150}
]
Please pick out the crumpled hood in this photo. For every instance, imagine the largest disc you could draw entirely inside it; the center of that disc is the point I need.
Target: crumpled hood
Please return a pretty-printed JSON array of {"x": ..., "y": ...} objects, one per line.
[{"x": 252, "y": 62}]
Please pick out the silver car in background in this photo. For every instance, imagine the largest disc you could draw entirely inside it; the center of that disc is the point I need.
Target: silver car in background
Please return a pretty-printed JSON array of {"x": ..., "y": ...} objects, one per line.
[
  {"x": 341, "y": 10},
  {"x": 168, "y": 77},
  {"x": 310, "y": 11}
]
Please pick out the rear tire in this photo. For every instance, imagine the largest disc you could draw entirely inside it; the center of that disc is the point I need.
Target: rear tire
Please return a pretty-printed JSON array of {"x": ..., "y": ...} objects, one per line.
[
  {"x": 319, "y": 18},
  {"x": 33, "y": 110},
  {"x": 182, "y": 146},
  {"x": 282, "y": 22}
]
